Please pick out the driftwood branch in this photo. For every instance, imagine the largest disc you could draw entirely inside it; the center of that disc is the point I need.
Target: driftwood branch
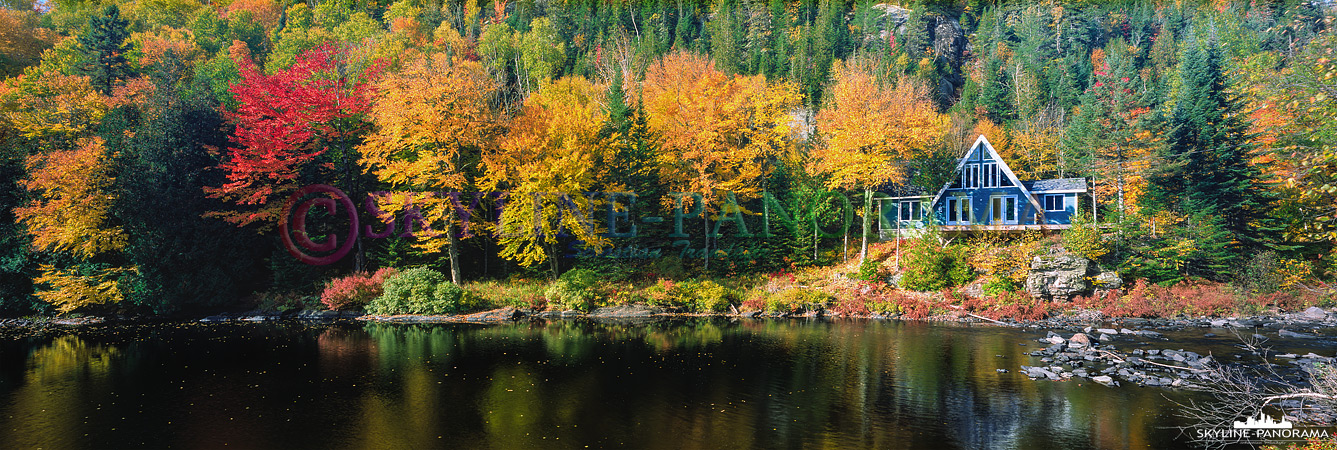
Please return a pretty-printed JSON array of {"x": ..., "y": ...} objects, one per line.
[
  {"x": 980, "y": 317},
  {"x": 1117, "y": 358}
]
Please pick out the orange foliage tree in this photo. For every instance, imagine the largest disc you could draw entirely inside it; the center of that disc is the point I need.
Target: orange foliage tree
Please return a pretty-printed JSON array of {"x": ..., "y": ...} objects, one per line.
[
  {"x": 69, "y": 213},
  {"x": 869, "y": 130},
  {"x": 720, "y": 134}
]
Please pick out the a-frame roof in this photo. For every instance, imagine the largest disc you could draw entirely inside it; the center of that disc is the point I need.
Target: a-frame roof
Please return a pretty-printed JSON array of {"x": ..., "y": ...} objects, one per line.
[{"x": 983, "y": 142}]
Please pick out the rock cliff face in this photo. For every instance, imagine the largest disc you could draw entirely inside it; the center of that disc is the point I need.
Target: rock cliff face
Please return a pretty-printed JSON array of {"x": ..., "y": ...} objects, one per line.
[
  {"x": 1062, "y": 277},
  {"x": 945, "y": 37}
]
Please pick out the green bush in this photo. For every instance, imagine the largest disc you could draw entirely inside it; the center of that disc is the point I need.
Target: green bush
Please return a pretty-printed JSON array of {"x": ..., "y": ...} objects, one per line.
[
  {"x": 707, "y": 296},
  {"x": 870, "y": 270},
  {"x": 576, "y": 289},
  {"x": 700, "y": 296},
  {"x": 996, "y": 286},
  {"x": 795, "y": 299},
  {"x": 930, "y": 267},
  {"x": 1084, "y": 239},
  {"x": 419, "y": 291}
]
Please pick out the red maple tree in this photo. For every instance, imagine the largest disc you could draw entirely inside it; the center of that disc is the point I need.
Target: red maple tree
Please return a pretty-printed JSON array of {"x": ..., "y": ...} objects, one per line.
[{"x": 287, "y": 124}]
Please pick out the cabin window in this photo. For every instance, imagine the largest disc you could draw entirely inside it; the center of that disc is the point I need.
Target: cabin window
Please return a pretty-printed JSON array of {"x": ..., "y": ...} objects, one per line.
[
  {"x": 989, "y": 175},
  {"x": 1054, "y": 203},
  {"x": 910, "y": 210},
  {"x": 970, "y": 176},
  {"x": 958, "y": 211},
  {"x": 1003, "y": 210}
]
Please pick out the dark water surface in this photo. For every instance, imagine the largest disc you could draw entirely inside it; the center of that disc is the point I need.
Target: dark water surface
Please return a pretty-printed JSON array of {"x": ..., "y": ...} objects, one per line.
[{"x": 564, "y": 384}]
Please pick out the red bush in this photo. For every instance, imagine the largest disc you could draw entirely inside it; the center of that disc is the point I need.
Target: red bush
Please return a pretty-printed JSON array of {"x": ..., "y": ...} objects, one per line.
[
  {"x": 1008, "y": 306},
  {"x": 354, "y": 290}
]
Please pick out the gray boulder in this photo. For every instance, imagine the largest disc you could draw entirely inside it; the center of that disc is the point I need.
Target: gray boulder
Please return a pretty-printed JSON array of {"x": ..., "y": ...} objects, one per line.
[
  {"x": 1107, "y": 281},
  {"x": 1058, "y": 277},
  {"x": 624, "y": 311},
  {"x": 1314, "y": 313}
]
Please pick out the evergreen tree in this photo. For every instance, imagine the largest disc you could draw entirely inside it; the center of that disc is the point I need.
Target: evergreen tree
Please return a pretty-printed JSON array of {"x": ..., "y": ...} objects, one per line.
[
  {"x": 104, "y": 49},
  {"x": 1104, "y": 140},
  {"x": 183, "y": 260},
  {"x": 1208, "y": 148},
  {"x": 995, "y": 96}
]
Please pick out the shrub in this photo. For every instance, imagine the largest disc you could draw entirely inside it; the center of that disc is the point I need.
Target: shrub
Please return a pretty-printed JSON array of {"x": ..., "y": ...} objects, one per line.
[
  {"x": 576, "y": 289},
  {"x": 707, "y": 296},
  {"x": 998, "y": 285},
  {"x": 515, "y": 292},
  {"x": 929, "y": 267},
  {"x": 624, "y": 294},
  {"x": 796, "y": 299},
  {"x": 870, "y": 270},
  {"x": 700, "y": 296},
  {"x": 1084, "y": 239},
  {"x": 354, "y": 291},
  {"x": 663, "y": 293},
  {"x": 419, "y": 291}
]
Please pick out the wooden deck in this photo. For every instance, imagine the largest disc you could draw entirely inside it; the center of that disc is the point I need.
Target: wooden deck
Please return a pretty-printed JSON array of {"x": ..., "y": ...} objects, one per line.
[{"x": 967, "y": 229}]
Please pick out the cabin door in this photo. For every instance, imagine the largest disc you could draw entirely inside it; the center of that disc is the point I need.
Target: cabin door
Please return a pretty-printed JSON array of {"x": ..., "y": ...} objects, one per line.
[{"x": 1003, "y": 210}]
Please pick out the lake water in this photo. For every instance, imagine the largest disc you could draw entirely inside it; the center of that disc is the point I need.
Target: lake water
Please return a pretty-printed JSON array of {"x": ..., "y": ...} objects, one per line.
[{"x": 709, "y": 383}]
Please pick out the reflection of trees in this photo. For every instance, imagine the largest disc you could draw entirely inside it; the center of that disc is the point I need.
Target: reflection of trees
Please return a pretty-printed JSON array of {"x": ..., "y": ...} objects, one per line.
[
  {"x": 685, "y": 384},
  {"x": 50, "y": 403},
  {"x": 713, "y": 383}
]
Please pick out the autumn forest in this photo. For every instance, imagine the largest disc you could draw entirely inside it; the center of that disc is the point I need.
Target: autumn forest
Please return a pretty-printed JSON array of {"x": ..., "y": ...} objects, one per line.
[{"x": 148, "y": 148}]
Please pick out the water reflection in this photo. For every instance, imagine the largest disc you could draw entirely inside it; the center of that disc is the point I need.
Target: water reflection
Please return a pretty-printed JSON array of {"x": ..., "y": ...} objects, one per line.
[{"x": 691, "y": 384}]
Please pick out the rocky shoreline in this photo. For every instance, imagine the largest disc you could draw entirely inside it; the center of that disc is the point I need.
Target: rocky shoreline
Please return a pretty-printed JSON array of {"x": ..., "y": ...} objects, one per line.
[{"x": 1311, "y": 323}]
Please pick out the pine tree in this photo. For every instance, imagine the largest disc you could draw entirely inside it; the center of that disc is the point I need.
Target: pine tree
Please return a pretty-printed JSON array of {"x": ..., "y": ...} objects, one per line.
[
  {"x": 995, "y": 96},
  {"x": 1107, "y": 138},
  {"x": 1208, "y": 148},
  {"x": 104, "y": 49}
]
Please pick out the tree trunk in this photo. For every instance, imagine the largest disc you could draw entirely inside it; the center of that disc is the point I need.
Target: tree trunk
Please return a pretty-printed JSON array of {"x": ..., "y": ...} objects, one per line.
[
  {"x": 867, "y": 223},
  {"x": 552, "y": 261},
  {"x": 1118, "y": 181},
  {"x": 705, "y": 220},
  {"x": 454, "y": 249}
]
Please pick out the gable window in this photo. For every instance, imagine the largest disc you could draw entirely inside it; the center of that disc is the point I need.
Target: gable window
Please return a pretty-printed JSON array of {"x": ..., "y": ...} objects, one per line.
[
  {"x": 970, "y": 176},
  {"x": 1054, "y": 203},
  {"x": 989, "y": 175}
]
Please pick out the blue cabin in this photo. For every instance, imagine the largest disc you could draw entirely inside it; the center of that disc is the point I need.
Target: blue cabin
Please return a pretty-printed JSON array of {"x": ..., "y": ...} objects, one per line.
[{"x": 983, "y": 195}]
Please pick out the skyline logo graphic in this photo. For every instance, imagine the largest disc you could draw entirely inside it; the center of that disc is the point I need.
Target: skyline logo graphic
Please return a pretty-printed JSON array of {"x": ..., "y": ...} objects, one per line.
[{"x": 1263, "y": 422}]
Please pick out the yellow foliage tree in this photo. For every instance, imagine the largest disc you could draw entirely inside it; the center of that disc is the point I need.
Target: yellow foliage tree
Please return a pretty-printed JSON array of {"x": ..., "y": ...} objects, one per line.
[
  {"x": 432, "y": 119},
  {"x": 869, "y": 129},
  {"x": 720, "y": 134},
  {"x": 49, "y": 109},
  {"x": 71, "y": 289},
  {"x": 546, "y": 164},
  {"x": 1033, "y": 152},
  {"x": 72, "y": 200}
]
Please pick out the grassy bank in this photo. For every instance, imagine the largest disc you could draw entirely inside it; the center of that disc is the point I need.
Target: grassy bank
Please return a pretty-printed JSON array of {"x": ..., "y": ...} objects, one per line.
[{"x": 982, "y": 278}]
